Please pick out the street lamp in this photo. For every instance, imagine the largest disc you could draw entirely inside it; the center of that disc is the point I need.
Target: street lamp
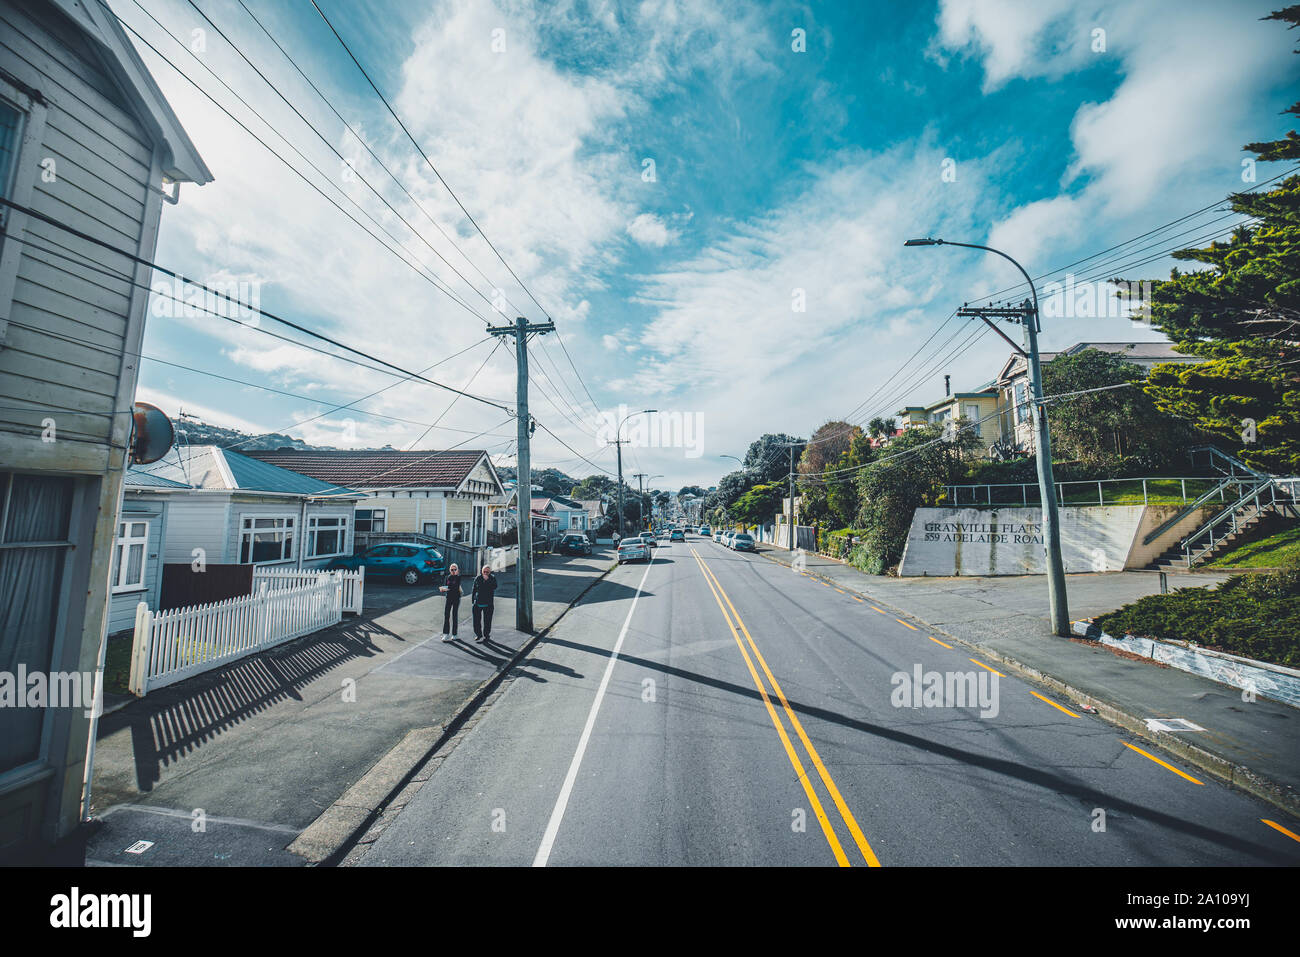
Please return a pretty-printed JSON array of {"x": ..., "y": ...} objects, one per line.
[
  {"x": 618, "y": 441},
  {"x": 1046, "y": 482},
  {"x": 641, "y": 502}
]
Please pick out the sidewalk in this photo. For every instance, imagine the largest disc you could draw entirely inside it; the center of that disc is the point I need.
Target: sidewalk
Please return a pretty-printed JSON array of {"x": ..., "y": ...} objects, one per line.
[
  {"x": 230, "y": 767},
  {"x": 1255, "y": 745}
]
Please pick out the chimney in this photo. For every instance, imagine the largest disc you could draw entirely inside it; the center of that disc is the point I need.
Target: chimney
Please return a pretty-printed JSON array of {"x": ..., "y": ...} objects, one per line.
[{"x": 946, "y": 390}]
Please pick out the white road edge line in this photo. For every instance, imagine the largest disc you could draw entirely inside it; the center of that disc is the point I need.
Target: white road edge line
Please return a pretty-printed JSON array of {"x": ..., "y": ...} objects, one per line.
[{"x": 562, "y": 802}]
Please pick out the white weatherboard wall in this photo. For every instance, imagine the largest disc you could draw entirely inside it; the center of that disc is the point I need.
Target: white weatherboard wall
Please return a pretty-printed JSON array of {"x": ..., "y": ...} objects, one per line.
[{"x": 1009, "y": 541}]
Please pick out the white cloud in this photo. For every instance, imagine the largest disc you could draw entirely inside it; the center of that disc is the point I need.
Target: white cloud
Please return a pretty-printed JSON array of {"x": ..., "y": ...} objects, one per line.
[{"x": 649, "y": 230}]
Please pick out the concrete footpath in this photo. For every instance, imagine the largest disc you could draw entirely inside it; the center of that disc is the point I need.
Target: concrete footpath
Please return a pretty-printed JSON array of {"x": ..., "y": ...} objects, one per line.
[
  {"x": 1252, "y": 745},
  {"x": 276, "y": 759}
]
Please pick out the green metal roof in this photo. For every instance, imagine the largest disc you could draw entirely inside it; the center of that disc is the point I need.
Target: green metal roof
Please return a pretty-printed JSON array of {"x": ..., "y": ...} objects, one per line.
[{"x": 250, "y": 475}]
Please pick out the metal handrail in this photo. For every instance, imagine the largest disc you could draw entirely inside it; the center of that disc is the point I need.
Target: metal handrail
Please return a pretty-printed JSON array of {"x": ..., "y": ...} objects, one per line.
[
  {"x": 1189, "y": 509},
  {"x": 1229, "y": 515},
  {"x": 1221, "y": 484}
]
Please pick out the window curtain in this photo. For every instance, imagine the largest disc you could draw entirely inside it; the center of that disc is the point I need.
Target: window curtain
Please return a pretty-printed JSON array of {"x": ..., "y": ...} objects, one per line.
[{"x": 30, "y": 582}]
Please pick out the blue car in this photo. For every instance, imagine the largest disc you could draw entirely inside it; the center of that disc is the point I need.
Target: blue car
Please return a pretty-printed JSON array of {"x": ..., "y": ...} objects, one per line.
[{"x": 411, "y": 563}]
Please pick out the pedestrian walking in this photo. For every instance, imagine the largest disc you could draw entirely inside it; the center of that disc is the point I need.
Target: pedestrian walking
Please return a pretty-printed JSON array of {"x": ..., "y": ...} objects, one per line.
[
  {"x": 485, "y": 588},
  {"x": 451, "y": 610}
]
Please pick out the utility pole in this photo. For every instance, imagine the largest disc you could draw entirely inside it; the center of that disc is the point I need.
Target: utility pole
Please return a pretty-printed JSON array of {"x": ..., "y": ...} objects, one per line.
[
  {"x": 640, "y": 499},
  {"x": 524, "y": 480},
  {"x": 791, "y": 522},
  {"x": 1027, "y": 314},
  {"x": 620, "y": 442}
]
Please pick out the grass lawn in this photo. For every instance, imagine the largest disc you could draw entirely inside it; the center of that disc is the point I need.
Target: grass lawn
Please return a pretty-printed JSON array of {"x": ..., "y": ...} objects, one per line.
[
  {"x": 1257, "y": 616},
  {"x": 1275, "y": 551},
  {"x": 117, "y": 665}
]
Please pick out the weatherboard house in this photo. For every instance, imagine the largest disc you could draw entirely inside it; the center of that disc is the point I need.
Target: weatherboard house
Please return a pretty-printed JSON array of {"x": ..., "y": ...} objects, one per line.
[
  {"x": 89, "y": 152},
  {"x": 442, "y": 495},
  {"x": 204, "y": 506}
]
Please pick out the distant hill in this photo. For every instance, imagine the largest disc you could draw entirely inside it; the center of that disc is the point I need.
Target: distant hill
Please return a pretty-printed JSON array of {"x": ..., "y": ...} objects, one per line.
[{"x": 193, "y": 432}]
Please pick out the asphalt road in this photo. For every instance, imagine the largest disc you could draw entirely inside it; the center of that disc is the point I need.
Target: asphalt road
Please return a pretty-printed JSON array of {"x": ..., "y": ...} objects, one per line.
[{"x": 716, "y": 708}]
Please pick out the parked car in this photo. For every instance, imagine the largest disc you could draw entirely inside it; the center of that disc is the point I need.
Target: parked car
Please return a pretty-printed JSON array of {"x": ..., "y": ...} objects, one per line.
[
  {"x": 411, "y": 563},
  {"x": 742, "y": 542},
  {"x": 633, "y": 550},
  {"x": 677, "y": 535},
  {"x": 649, "y": 539},
  {"x": 573, "y": 544},
  {"x": 705, "y": 530},
  {"x": 727, "y": 537},
  {"x": 717, "y": 535}
]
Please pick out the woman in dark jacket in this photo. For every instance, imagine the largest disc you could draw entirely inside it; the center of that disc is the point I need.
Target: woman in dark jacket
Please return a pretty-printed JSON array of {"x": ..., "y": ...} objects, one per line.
[
  {"x": 451, "y": 610},
  {"x": 485, "y": 588}
]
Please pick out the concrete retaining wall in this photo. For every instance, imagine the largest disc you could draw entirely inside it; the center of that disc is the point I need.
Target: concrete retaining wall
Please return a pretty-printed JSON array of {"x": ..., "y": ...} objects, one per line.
[
  {"x": 1265, "y": 680},
  {"x": 1009, "y": 541}
]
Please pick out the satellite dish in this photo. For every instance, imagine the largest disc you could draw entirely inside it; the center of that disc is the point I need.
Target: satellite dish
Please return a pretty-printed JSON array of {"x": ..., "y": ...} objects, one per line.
[{"x": 152, "y": 435}]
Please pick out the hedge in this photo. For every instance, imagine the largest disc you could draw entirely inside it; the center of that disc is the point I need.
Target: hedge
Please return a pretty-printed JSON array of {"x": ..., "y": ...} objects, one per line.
[{"x": 1255, "y": 616}]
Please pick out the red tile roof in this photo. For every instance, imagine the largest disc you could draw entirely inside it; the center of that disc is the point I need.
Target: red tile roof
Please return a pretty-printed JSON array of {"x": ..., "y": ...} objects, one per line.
[{"x": 374, "y": 470}]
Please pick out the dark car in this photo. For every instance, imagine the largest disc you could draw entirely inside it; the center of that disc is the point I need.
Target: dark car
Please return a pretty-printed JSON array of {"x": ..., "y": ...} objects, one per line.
[
  {"x": 411, "y": 563},
  {"x": 575, "y": 545}
]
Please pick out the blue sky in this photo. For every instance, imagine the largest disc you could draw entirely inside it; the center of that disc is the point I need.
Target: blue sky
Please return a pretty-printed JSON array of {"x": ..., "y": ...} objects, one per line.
[{"x": 780, "y": 176}]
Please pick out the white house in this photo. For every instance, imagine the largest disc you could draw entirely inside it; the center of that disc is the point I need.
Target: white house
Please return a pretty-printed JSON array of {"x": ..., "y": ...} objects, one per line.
[
  {"x": 87, "y": 143},
  {"x": 232, "y": 509},
  {"x": 444, "y": 495}
]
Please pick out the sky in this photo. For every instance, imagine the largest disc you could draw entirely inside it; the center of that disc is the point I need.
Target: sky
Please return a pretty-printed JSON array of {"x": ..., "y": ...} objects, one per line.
[{"x": 709, "y": 200}]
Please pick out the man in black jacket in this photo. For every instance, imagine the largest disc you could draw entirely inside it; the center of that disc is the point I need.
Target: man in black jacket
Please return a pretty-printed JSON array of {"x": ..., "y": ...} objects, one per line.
[{"x": 485, "y": 588}]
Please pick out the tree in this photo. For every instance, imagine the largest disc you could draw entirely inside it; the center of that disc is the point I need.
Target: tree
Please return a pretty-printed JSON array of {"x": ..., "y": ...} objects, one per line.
[
  {"x": 692, "y": 490},
  {"x": 881, "y": 428},
  {"x": 919, "y": 464},
  {"x": 1243, "y": 315},
  {"x": 768, "y": 457},
  {"x": 1102, "y": 427},
  {"x": 733, "y": 485},
  {"x": 759, "y": 504},
  {"x": 594, "y": 486}
]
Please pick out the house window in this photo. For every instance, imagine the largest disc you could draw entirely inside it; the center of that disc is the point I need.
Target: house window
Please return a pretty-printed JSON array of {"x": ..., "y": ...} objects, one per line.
[
  {"x": 457, "y": 531},
  {"x": 266, "y": 538},
  {"x": 10, "y": 127},
  {"x": 1022, "y": 412},
  {"x": 371, "y": 519},
  {"x": 129, "y": 556},
  {"x": 35, "y": 520},
  {"x": 973, "y": 418},
  {"x": 326, "y": 535}
]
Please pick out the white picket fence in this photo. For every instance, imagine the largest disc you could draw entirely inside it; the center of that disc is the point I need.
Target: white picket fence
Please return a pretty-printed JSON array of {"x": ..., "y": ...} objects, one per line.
[
  {"x": 354, "y": 583},
  {"x": 181, "y": 642}
]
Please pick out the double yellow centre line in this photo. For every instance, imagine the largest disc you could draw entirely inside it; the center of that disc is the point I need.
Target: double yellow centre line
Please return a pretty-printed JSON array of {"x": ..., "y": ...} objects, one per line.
[{"x": 733, "y": 620}]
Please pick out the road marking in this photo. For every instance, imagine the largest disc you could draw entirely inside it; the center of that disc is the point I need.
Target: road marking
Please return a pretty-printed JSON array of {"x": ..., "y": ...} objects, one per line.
[
  {"x": 938, "y": 642},
  {"x": 1162, "y": 763},
  {"x": 859, "y": 838},
  {"x": 881, "y": 610},
  {"x": 1054, "y": 704},
  {"x": 562, "y": 802},
  {"x": 905, "y": 624},
  {"x": 856, "y": 598},
  {"x": 840, "y": 590},
  {"x": 987, "y": 668},
  {"x": 836, "y": 848},
  {"x": 1279, "y": 827}
]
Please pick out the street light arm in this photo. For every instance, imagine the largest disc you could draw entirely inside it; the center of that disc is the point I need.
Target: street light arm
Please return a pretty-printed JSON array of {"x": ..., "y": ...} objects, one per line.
[{"x": 1038, "y": 326}]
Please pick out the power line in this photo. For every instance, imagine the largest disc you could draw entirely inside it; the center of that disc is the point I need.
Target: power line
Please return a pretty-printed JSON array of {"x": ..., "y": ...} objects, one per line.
[
  {"x": 331, "y": 146},
  {"x": 428, "y": 277},
  {"x": 237, "y": 302}
]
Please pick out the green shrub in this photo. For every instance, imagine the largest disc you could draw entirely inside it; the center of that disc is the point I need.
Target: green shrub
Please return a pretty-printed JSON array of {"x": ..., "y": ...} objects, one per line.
[{"x": 1255, "y": 616}]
